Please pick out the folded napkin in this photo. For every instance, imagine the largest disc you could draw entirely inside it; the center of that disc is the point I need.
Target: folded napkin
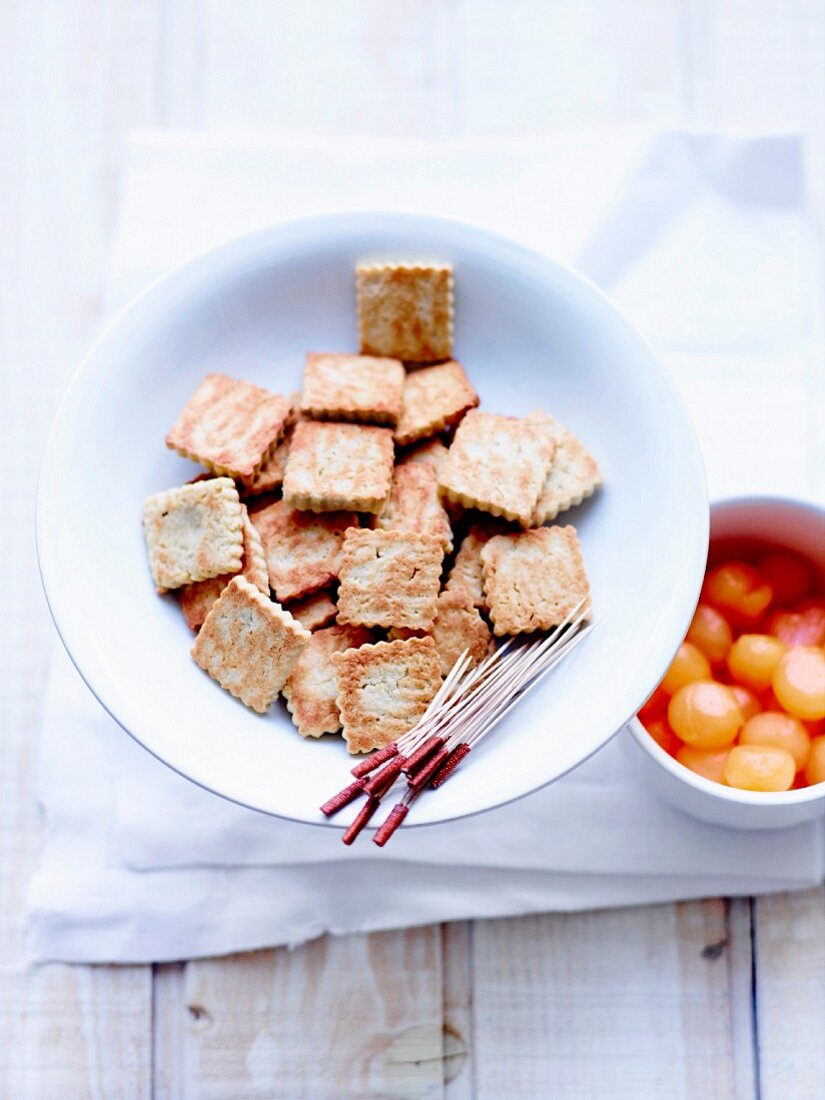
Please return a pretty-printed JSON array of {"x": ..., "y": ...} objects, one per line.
[{"x": 141, "y": 865}]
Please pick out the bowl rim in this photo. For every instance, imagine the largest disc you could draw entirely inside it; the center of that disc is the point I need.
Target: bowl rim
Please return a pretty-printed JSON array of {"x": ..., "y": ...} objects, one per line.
[
  {"x": 709, "y": 787},
  {"x": 190, "y": 274}
]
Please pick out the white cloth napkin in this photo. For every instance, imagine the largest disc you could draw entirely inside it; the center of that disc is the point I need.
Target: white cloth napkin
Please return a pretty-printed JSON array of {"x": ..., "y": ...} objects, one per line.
[{"x": 702, "y": 239}]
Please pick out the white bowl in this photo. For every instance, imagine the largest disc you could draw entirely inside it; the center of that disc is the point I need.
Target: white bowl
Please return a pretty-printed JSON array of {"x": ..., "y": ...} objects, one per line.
[
  {"x": 530, "y": 333},
  {"x": 776, "y": 522}
]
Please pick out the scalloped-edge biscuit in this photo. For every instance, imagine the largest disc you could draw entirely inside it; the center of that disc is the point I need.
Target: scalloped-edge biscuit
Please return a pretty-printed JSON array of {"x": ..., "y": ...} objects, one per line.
[
  {"x": 384, "y": 689},
  {"x": 457, "y": 627},
  {"x": 432, "y": 451},
  {"x": 197, "y": 598},
  {"x": 435, "y": 398},
  {"x": 533, "y": 579},
  {"x": 229, "y": 425},
  {"x": 573, "y": 474},
  {"x": 364, "y": 388},
  {"x": 311, "y": 692},
  {"x": 193, "y": 532},
  {"x": 414, "y": 505},
  {"x": 270, "y": 475},
  {"x": 314, "y": 611},
  {"x": 249, "y": 644},
  {"x": 333, "y": 466},
  {"x": 389, "y": 578},
  {"x": 498, "y": 464},
  {"x": 302, "y": 549},
  {"x": 405, "y": 310},
  {"x": 466, "y": 569}
]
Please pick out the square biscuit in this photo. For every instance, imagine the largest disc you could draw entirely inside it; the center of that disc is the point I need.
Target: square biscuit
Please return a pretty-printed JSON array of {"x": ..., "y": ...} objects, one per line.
[
  {"x": 573, "y": 474},
  {"x": 302, "y": 549},
  {"x": 414, "y": 505},
  {"x": 466, "y": 569},
  {"x": 384, "y": 690},
  {"x": 406, "y": 311},
  {"x": 365, "y": 388},
  {"x": 312, "y": 690},
  {"x": 432, "y": 451},
  {"x": 334, "y": 466},
  {"x": 389, "y": 578},
  {"x": 197, "y": 598},
  {"x": 229, "y": 425},
  {"x": 249, "y": 644},
  {"x": 270, "y": 474},
  {"x": 533, "y": 579},
  {"x": 435, "y": 398},
  {"x": 193, "y": 532},
  {"x": 314, "y": 611},
  {"x": 497, "y": 464},
  {"x": 458, "y": 626}
]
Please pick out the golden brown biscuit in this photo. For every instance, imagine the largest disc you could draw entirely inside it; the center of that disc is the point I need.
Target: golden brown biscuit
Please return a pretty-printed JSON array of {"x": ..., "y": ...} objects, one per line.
[
  {"x": 193, "y": 532},
  {"x": 197, "y": 598},
  {"x": 406, "y": 311},
  {"x": 314, "y": 611},
  {"x": 311, "y": 692},
  {"x": 573, "y": 474},
  {"x": 249, "y": 644},
  {"x": 384, "y": 690},
  {"x": 458, "y": 626},
  {"x": 302, "y": 549},
  {"x": 414, "y": 505},
  {"x": 497, "y": 464},
  {"x": 352, "y": 387},
  {"x": 229, "y": 425},
  {"x": 434, "y": 398},
  {"x": 334, "y": 466},
  {"x": 466, "y": 571},
  {"x": 533, "y": 579},
  {"x": 389, "y": 578},
  {"x": 432, "y": 451}
]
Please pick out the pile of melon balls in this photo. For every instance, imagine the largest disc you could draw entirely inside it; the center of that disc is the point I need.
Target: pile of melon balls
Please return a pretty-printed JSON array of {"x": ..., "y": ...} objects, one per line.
[{"x": 743, "y": 702}]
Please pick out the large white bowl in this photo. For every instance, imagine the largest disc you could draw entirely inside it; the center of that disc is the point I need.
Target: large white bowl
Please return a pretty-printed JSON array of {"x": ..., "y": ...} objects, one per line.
[
  {"x": 530, "y": 333},
  {"x": 739, "y": 524}
]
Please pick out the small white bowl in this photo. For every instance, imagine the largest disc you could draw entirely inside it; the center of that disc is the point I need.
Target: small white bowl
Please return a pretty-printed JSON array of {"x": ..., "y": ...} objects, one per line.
[{"x": 776, "y": 522}]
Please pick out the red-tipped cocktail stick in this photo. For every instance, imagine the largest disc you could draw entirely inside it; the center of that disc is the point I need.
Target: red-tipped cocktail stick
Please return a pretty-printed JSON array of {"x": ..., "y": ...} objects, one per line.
[
  {"x": 394, "y": 819},
  {"x": 450, "y": 765},
  {"x": 364, "y": 814},
  {"x": 375, "y": 760},
  {"x": 343, "y": 798},
  {"x": 422, "y": 753},
  {"x": 380, "y": 782},
  {"x": 422, "y": 776}
]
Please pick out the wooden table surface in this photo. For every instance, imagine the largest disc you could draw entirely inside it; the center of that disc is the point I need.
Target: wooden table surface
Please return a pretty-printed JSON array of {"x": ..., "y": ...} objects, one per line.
[{"x": 711, "y": 999}]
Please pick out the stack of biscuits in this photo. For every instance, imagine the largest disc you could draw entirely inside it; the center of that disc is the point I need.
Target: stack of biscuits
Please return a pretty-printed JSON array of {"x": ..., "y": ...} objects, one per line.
[{"x": 345, "y": 545}]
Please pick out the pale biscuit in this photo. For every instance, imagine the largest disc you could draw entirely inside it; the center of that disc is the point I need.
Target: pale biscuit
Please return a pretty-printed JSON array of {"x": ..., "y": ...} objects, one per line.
[
  {"x": 311, "y": 692},
  {"x": 249, "y": 644},
  {"x": 432, "y": 451},
  {"x": 302, "y": 549},
  {"x": 434, "y": 398},
  {"x": 197, "y": 598},
  {"x": 270, "y": 475},
  {"x": 389, "y": 578},
  {"x": 458, "y": 626},
  {"x": 533, "y": 579},
  {"x": 497, "y": 464},
  {"x": 352, "y": 387},
  {"x": 573, "y": 474},
  {"x": 406, "y": 311},
  {"x": 193, "y": 532},
  {"x": 229, "y": 425},
  {"x": 384, "y": 690},
  {"x": 414, "y": 505},
  {"x": 314, "y": 611},
  {"x": 334, "y": 466},
  {"x": 466, "y": 570}
]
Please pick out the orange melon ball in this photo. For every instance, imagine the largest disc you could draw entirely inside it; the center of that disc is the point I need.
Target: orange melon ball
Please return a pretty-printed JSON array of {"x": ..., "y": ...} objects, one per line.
[
  {"x": 803, "y": 625},
  {"x": 709, "y": 763},
  {"x": 710, "y": 631},
  {"x": 781, "y": 731},
  {"x": 688, "y": 665},
  {"x": 752, "y": 659},
  {"x": 815, "y": 768},
  {"x": 788, "y": 575},
  {"x": 705, "y": 714},
  {"x": 799, "y": 682},
  {"x": 663, "y": 735},
  {"x": 739, "y": 590},
  {"x": 759, "y": 768},
  {"x": 748, "y": 702}
]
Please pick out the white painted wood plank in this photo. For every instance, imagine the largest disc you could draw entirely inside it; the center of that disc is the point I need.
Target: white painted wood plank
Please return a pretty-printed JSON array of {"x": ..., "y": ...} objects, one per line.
[
  {"x": 790, "y": 955},
  {"x": 632, "y": 1003},
  {"x": 457, "y": 968},
  {"x": 358, "y": 1015}
]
